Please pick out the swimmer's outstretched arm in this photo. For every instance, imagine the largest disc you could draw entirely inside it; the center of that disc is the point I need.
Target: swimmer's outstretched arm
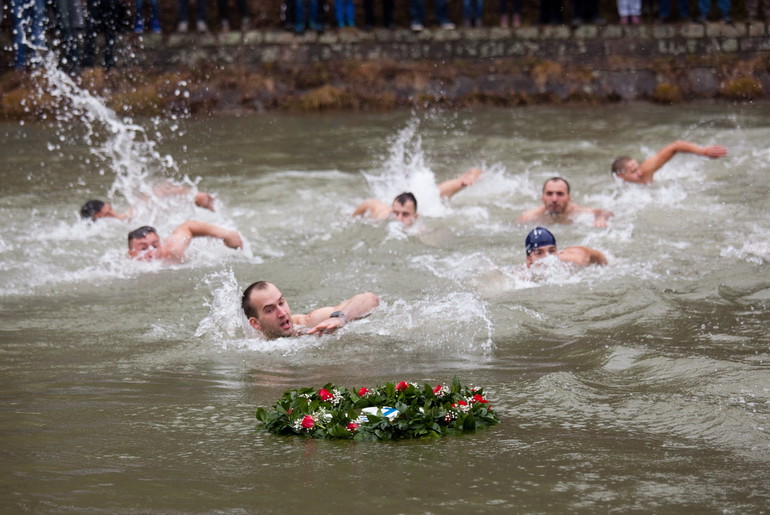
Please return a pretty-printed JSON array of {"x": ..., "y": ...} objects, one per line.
[
  {"x": 354, "y": 308},
  {"x": 448, "y": 188},
  {"x": 536, "y": 214},
  {"x": 582, "y": 256},
  {"x": 175, "y": 245},
  {"x": 373, "y": 208},
  {"x": 653, "y": 164},
  {"x": 601, "y": 217}
]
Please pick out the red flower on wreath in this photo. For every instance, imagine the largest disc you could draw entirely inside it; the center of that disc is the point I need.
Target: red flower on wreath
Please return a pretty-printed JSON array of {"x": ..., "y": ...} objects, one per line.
[
  {"x": 352, "y": 426},
  {"x": 325, "y": 394},
  {"x": 363, "y": 391},
  {"x": 437, "y": 388},
  {"x": 308, "y": 422},
  {"x": 478, "y": 398},
  {"x": 459, "y": 403},
  {"x": 403, "y": 385}
]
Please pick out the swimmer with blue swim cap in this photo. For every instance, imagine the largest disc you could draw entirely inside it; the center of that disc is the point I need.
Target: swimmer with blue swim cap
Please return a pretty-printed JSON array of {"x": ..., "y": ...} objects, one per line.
[{"x": 541, "y": 243}]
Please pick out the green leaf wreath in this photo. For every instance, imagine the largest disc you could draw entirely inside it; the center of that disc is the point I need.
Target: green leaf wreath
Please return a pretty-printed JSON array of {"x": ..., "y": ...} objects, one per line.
[{"x": 389, "y": 412}]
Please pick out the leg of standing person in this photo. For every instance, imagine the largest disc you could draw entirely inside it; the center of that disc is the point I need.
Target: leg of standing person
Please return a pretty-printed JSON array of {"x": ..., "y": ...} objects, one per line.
[
  {"x": 200, "y": 14},
  {"x": 28, "y": 32},
  {"x": 704, "y": 7},
  {"x": 339, "y": 13},
  {"x": 183, "y": 16},
  {"x": 139, "y": 16},
  {"x": 299, "y": 16},
  {"x": 417, "y": 14},
  {"x": 155, "y": 16},
  {"x": 368, "y": 14},
  {"x": 724, "y": 10},
  {"x": 387, "y": 13},
  {"x": 351, "y": 13},
  {"x": 442, "y": 15},
  {"x": 223, "y": 10}
]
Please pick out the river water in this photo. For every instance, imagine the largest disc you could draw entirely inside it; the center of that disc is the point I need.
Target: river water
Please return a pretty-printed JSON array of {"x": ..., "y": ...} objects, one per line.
[{"x": 641, "y": 386}]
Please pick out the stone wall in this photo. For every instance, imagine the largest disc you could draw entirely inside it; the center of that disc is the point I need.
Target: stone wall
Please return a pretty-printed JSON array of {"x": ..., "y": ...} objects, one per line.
[{"x": 383, "y": 69}]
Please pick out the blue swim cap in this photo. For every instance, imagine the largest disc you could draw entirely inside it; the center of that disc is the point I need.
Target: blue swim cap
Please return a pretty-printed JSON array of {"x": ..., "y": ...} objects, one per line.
[{"x": 538, "y": 237}]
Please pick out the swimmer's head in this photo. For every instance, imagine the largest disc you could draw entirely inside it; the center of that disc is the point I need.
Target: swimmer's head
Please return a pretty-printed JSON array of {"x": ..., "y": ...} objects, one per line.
[
  {"x": 96, "y": 209},
  {"x": 144, "y": 243},
  {"x": 405, "y": 208},
  {"x": 267, "y": 310},
  {"x": 91, "y": 209},
  {"x": 540, "y": 243},
  {"x": 556, "y": 195},
  {"x": 628, "y": 169}
]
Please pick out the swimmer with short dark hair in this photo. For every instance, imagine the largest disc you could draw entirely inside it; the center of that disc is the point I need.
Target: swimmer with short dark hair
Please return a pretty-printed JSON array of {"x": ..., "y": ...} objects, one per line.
[
  {"x": 540, "y": 243},
  {"x": 558, "y": 207},
  {"x": 95, "y": 209},
  {"x": 144, "y": 243},
  {"x": 630, "y": 170},
  {"x": 268, "y": 312},
  {"x": 404, "y": 207}
]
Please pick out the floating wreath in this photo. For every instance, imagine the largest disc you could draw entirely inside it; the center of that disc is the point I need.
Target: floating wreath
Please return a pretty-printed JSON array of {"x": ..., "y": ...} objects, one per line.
[{"x": 390, "y": 412}]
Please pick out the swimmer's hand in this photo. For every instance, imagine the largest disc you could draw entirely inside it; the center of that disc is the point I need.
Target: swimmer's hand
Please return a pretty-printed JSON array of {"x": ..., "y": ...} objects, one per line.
[
  {"x": 328, "y": 326},
  {"x": 233, "y": 240},
  {"x": 204, "y": 200},
  {"x": 714, "y": 151}
]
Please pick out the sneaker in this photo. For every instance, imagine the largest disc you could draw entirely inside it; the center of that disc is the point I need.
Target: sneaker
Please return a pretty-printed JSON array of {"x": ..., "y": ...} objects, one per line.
[
  {"x": 516, "y": 21},
  {"x": 448, "y": 26},
  {"x": 417, "y": 27},
  {"x": 183, "y": 27},
  {"x": 139, "y": 27},
  {"x": 503, "y": 20},
  {"x": 201, "y": 26},
  {"x": 155, "y": 27},
  {"x": 245, "y": 23},
  {"x": 224, "y": 26},
  {"x": 636, "y": 20},
  {"x": 624, "y": 20}
]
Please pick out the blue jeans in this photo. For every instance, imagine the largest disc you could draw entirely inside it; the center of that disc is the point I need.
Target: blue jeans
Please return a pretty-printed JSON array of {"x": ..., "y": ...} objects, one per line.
[
  {"x": 345, "y": 12},
  {"x": 417, "y": 11},
  {"x": 200, "y": 10},
  {"x": 312, "y": 8},
  {"x": 665, "y": 9},
  {"x": 28, "y": 24},
  {"x": 473, "y": 10},
  {"x": 704, "y": 6},
  {"x": 154, "y": 12}
]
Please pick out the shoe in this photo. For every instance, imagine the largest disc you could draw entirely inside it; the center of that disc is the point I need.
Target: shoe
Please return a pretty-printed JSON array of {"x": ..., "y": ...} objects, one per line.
[
  {"x": 201, "y": 26},
  {"x": 417, "y": 27},
  {"x": 245, "y": 23},
  {"x": 636, "y": 20},
  {"x": 448, "y": 26},
  {"x": 183, "y": 27},
  {"x": 155, "y": 27},
  {"x": 727, "y": 19},
  {"x": 516, "y": 21},
  {"x": 624, "y": 20},
  {"x": 503, "y": 20},
  {"x": 224, "y": 26},
  {"x": 139, "y": 27}
]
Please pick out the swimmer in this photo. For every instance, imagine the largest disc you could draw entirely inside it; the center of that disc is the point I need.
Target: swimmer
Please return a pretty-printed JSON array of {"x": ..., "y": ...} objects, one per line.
[
  {"x": 541, "y": 243},
  {"x": 404, "y": 207},
  {"x": 268, "y": 312},
  {"x": 144, "y": 243},
  {"x": 630, "y": 170},
  {"x": 558, "y": 208},
  {"x": 95, "y": 209}
]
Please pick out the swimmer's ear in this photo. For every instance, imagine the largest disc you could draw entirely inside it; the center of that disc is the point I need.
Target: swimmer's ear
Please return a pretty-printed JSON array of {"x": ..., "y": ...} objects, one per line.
[{"x": 253, "y": 322}]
